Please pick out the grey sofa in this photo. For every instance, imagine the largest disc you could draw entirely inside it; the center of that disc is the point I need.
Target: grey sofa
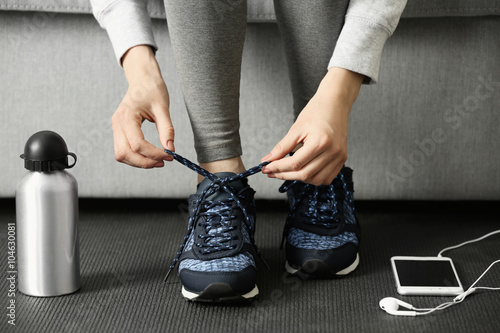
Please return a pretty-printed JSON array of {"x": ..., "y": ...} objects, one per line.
[{"x": 428, "y": 130}]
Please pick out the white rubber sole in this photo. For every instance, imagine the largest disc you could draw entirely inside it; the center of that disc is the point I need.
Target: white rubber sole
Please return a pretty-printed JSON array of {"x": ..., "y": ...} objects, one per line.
[
  {"x": 343, "y": 272},
  {"x": 351, "y": 267},
  {"x": 194, "y": 296}
]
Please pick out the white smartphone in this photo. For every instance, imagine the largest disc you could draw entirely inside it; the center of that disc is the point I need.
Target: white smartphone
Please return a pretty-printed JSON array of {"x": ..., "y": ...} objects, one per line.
[{"x": 426, "y": 276}]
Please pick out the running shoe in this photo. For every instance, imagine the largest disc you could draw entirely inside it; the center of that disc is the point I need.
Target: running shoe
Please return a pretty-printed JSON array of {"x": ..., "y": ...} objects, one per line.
[
  {"x": 216, "y": 261},
  {"x": 322, "y": 232}
]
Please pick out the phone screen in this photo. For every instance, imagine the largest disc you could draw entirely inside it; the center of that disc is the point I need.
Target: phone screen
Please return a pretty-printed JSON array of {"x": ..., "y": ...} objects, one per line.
[{"x": 425, "y": 273}]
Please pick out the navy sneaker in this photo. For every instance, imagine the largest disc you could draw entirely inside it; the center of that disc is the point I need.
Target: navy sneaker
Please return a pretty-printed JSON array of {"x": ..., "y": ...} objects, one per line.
[
  {"x": 218, "y": 261},
  {"x": 322, "y": 232},
  {"x": 217, "y": 257}
]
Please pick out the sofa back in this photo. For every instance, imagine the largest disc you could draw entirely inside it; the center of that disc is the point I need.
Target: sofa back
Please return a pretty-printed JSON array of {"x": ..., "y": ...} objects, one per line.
[{"x": 263, "y": 10}]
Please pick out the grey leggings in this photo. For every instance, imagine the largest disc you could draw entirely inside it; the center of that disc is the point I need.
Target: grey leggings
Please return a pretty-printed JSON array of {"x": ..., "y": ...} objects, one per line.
[{"x": 207, "y": 38}]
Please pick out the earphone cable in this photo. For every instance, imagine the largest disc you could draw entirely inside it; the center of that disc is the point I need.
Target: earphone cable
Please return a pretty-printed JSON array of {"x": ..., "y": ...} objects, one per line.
[{"x": 468, "y": 242}]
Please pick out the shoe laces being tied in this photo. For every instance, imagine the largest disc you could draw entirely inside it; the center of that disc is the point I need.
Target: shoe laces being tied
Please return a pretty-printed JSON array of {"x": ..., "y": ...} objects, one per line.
[
  {"x": 323, "y": 209},
  {"x": 217, "y": 229}
]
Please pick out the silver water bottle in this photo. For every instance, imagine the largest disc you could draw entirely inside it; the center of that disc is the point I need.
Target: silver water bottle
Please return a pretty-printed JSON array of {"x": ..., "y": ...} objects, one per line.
[{"x": 47, "y": 217}]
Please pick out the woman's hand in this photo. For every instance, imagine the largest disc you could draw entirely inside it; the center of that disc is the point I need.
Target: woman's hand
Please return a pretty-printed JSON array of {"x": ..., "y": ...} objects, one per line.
[
  {"x": 146, "y": 99},
  {"x": 320, "y": 133}
]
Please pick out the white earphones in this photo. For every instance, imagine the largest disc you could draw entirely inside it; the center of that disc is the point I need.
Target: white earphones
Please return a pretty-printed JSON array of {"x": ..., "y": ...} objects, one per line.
[{"x": 391, "y": 306}]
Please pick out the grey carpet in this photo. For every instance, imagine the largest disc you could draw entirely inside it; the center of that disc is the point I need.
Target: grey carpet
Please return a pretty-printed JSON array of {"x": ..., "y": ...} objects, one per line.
[{"x": 127, "y": 245}]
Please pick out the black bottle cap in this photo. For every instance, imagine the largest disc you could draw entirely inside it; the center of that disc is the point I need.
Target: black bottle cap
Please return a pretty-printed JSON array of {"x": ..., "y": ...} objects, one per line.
[{"x": 46, "y": 151}]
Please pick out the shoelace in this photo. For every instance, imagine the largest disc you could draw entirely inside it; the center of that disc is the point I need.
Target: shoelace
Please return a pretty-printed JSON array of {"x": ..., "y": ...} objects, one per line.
[
  {"x": 318, "y": 213},
  {"x": 217, "y": 240},
  {"x": 216, "y": 185}
]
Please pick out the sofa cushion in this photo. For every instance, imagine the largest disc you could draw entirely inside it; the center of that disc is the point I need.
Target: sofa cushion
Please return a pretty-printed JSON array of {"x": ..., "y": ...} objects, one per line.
[
  {"x": 263, "y": 11},
  {"x": 428, "y": 130}
]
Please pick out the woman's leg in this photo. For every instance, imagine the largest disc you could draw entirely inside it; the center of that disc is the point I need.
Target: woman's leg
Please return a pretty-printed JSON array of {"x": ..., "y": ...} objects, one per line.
[
  {"x": 310, "y": 30},
  {"x": 207, "y": 38}
]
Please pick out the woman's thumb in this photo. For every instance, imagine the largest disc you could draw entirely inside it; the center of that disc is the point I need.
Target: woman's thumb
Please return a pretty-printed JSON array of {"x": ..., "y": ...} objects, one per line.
[{"x": 165, "y": 131}]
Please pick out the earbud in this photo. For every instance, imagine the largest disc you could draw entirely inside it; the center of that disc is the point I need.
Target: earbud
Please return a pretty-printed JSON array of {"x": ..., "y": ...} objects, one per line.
[{"x": 391, "y": 306}]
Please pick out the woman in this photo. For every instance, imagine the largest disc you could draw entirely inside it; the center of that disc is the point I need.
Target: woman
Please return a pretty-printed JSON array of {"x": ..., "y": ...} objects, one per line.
[{"x": 332, "y": 47}]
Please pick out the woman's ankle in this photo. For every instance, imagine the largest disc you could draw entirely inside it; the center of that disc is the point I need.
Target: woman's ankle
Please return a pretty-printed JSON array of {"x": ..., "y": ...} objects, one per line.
[{"x": 234, "y": 164}]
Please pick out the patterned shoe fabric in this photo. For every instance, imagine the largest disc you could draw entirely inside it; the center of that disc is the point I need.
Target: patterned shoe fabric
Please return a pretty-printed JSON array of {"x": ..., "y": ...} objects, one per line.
[
  {"x": 217, "y": 258},
  {"x": 322, "y": 232}
]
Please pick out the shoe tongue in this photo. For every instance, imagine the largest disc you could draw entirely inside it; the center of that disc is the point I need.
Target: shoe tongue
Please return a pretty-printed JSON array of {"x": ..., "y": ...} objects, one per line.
[
  {"x": 236, "y": 185},
  {"x": 326, "y": 198}
]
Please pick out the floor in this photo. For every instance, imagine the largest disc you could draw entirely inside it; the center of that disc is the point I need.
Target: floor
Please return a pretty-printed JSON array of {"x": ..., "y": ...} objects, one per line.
[{"x": 127, "y": 245}]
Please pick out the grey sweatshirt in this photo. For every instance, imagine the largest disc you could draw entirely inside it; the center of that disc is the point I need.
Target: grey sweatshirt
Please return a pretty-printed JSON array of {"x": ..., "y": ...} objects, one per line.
[{"x": 368, "y": 25}]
